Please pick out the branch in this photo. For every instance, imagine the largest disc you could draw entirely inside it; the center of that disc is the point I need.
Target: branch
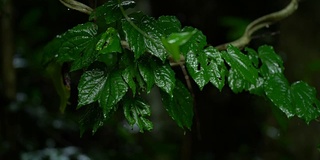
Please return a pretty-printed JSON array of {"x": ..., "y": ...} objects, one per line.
[
  {"x": 77, "y": 6},
  {"x": 8, "y": 75},
  {"x": 260, "y": 23}
]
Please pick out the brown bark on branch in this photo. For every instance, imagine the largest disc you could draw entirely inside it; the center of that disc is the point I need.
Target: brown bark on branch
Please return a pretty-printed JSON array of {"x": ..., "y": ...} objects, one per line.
[{"x": 8, "y": 76}]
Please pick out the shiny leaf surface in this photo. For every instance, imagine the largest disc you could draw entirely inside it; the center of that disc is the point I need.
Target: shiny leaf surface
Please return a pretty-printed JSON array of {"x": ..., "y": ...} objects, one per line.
[
  {"x": 164, "y": 77},
  {"x": 135, "y": 111},
  {"x": 90, "y": 86},
  {"x": 147, "y": 74},
  {"x": 145, "y": 38},
  {"x": 277, "y": 90},
  {"x": 110, "y": 11},
  {"x": 196, "y": 43},
  {"x": 196, "y": 70},
  {"x": 241, "y": 64},
  {"x": 113, "y": 91},
  {"x": 75, "y": 41},
  {"x": 305, "y": 102},
  {"x": 179, "y": 106},
  {"x": 271, "y": 62},
  {"x": 216, "y": 68},
  {"x": 174, "y": 41},
  {"x": 109, "y": 42}
]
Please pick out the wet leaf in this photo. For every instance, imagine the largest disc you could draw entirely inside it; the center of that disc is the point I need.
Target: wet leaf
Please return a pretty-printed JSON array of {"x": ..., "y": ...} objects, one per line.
[
  {"x": 147, "y": 74},
  {"x": 278, "y": 91},
  {"x": 135, "y": 111},
  {"x": 88, "y": 56},
  {"x": 173, "y": 42},
  {"x": 92, "y": 118},
  {"x": 216, "y": 67},
  {"x": 90, "y": 86},
  {"x": 169, "y": 24},
  {"x": 113, "y": 91},
  {"x": 179, "y": 106},
  {"x": 304, "y": 100},
  {"x": 196, "y": 70},
  {"x": 128, "y": 76},
  {"x": 241, "y": 64},
  {"x": 271, "y": 62},
  {"x": 253, "y": 56},
  {"x": 109, "y": 42},
  {"x": 164, "y": 77},
  {"x": 110, "y": 11},
  {"x": 75, "y": 41},
  {"x": 196, "y": 43},
  {"x": 145, "y": 38}
]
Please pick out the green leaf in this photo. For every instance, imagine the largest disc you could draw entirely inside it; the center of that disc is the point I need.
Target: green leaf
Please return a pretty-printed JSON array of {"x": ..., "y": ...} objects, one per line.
[
  {"x": 96, "y": 85},
  {"x": 236, "y": 82},
  {"x": 305, "y": 102},
  {"x": 164, "y": 77},
  {"x": 50, "y": 51},
  {"x": 253, "y": 56},
  {"x": 110, "y": 59},
  {"x": 196, "y": 43},
  {"x": 169, "y": 24},
  {"x": 128, "y": 75},
  {"x": 144, "y": 35},
  {"x": 113, "y": 91},
  {"x": 75, "y": 41},
  {"x": 196, "y": 70},
  {"x": 241, "y": 64},
  {"x": 110, "y": 11},
  {"x": 216, "y": 67},
  {"x": 135, "y": 111},
  {"x": 174, "y": 41},
  {"x": 109, "y": 42},
  {"x": 179, "y": 106},
  {"x": 91, "y": 118},
  {"x": 147, "y": 74},
  {"x": 298, "y": 99},
  {"x": 271, "y": 62},
  {"x": 277, "y": 90},
  {"x": 258, "y": 88},
  {"x": 90, "y": 86},
  {"x": 89, "y": 56}
]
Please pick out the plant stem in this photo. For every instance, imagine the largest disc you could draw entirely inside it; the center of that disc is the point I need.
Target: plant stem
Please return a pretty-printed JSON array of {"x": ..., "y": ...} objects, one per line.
[
  {"x": 7, "y": 51},
  {"x": 77, "y": 6},
  {"x": 259, "y": 23}
]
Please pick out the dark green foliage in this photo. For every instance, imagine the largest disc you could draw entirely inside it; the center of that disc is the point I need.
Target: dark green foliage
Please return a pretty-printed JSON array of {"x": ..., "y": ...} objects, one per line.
[
  {"x": 179, "y": 105},
  {"x": 135, "y": 111},
  {"x": 135, "y": 49}
]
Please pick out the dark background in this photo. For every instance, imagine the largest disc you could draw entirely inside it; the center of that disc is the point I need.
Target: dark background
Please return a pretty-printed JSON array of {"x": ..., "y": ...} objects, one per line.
[{"x": 232, "y": 126}]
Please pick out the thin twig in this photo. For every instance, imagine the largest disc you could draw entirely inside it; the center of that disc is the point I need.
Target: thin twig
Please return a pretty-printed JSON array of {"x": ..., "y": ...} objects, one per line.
[
  {"x": 195, "y": 111},
  {"x": 77, "y": 6},
  {"x": 264, "y": 21}
]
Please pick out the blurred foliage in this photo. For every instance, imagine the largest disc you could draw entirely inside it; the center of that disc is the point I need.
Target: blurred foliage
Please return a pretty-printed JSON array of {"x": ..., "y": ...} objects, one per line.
[{"x": 236, "y": 26}]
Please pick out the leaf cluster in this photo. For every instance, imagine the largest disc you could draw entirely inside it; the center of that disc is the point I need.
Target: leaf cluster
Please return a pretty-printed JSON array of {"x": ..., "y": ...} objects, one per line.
[{"x": 123, "y": 56}]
